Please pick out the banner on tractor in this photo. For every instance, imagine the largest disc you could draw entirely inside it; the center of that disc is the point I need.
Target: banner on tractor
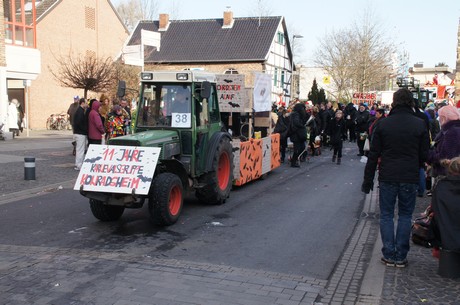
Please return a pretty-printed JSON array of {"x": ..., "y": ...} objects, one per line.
[{"x": 118, "y": 169}]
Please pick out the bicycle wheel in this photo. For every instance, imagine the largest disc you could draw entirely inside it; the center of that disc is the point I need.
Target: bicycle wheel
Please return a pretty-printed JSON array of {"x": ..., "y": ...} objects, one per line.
[
  {"x": 49, "y": 123},
  {"x": 60, "y": 124}
]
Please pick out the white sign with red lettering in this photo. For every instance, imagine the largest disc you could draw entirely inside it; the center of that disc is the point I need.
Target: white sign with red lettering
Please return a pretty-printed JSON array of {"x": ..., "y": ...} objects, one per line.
[{"x": 118, "y": 169}]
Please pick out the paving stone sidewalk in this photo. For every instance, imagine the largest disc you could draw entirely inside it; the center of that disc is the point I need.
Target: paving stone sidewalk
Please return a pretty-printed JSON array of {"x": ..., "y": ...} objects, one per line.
[{"x": 419, "y": 283}]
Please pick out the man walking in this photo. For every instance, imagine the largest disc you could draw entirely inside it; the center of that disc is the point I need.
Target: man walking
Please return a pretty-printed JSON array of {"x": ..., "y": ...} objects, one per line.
[
  {"x": 401, "y": 142},
  {"x": 80, "y": 132}
]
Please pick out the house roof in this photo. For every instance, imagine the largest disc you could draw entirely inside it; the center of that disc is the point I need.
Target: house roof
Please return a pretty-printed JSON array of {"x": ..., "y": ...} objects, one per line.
[
  {"x": 249, "y": 39},
  {"x": 44, "y": 7}
]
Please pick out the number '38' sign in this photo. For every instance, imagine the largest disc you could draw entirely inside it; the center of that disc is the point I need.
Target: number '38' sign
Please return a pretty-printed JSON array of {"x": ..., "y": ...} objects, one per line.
[{"x": 182, "y": 120}]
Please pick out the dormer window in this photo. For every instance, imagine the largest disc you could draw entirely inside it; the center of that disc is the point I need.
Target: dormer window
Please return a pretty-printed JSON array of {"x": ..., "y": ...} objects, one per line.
[{"x": 280, "y": 38}]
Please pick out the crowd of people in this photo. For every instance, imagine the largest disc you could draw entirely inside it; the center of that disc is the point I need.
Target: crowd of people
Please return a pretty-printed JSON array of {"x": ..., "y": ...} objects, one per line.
[
  {"x": 97, "y": 121},
  {"x": 414, "y": 150},
  {"x": 310, "y": 127}
]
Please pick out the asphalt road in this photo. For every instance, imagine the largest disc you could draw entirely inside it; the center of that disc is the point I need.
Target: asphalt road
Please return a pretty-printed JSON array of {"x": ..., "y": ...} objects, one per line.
[{"x": 295, "y": 221}]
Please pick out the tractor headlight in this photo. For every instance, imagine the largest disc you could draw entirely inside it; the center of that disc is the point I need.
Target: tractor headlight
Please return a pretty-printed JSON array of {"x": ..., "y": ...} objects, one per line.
[{"x": 182, "y": 76}]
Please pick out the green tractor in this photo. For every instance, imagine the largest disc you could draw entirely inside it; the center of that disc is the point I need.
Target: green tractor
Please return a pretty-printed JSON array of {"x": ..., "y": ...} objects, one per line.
[{"x": 177, "y": 112}]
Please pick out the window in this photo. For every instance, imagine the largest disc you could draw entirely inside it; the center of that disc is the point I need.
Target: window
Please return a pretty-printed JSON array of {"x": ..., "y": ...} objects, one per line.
[
  {"x": 282, "y": 78},
  {"x": 214, "y": 107},
  {"x": 20, "y": 22},
  {"x": 231, "y": 71},
  {"x": 280, "y": 37},
  {"x": 275, "y": 77}
]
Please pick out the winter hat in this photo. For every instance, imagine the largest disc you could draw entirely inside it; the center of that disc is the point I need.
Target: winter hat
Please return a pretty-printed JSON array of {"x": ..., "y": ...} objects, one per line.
[
  {"x": 116, "y": 108},
  {"x": 448, "y": 113}
]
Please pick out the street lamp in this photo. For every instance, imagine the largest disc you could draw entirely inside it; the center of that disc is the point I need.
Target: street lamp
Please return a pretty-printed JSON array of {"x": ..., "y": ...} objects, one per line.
[
  {"x": 292, "y": 61},
  {"x": 292, "y": 50}
]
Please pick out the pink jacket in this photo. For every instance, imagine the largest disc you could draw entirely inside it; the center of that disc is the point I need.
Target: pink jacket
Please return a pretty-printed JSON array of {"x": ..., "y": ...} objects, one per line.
[{"x": 95, "y": 126}]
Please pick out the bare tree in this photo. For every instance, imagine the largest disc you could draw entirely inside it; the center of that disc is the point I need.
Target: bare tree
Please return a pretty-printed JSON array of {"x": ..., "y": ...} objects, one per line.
[
  {"x": 89, "y": 73},
  {"x": 371, "y": 54},
  {"x": 260, "y": 9},
  {"x": 174, "y": 10},
  {"x": 357, "y": 59},
  {"x": 132, "y": 11},
  {"x": 333, "y": 56}
]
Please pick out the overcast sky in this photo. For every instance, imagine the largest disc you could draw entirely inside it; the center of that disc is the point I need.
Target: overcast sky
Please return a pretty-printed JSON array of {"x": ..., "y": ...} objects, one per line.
[{"x": 427, "y": 30}]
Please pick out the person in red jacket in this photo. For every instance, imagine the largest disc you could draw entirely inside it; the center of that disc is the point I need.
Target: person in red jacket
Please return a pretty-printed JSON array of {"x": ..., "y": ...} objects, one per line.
[{"x": 96, "y": 130}]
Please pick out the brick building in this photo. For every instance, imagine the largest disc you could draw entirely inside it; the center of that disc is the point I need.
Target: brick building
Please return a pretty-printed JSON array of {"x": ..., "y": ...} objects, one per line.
[
  {"x": 19, "y": 58},
  {"x": 63, "y": 27}
]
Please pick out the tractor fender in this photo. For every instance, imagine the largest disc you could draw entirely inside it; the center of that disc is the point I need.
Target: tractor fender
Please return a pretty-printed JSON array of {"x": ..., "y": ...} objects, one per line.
[
  {"x": 177, "y": 168},
  {"x": 212, "y": 147}
]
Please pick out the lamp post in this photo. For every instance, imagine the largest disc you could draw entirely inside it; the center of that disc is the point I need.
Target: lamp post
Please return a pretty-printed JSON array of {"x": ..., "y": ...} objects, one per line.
[{"x": 294, "y": 37}]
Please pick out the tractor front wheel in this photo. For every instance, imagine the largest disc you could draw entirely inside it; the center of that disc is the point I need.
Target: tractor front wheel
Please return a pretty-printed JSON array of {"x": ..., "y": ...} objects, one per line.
[
  {"x": 166, "y": 199},
  {"x": 105, "y": 212}
]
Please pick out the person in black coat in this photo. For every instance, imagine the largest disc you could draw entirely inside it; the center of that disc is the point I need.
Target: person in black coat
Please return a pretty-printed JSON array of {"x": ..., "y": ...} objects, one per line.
[
  {"x": 80, "y": 132},
  {"x": 362, "y": 125},
  {"x": 338, "y": 133},
  {"x": 298, "y": 119},
  {"x": 282, "y": 127},
  {"x": 401, "y": 143},
  {"x": 326, "y": 116},
  {"x": 350, "y": 118}
]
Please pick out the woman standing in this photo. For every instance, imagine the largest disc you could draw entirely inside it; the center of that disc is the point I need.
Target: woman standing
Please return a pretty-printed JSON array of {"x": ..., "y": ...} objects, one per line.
[
  {"x": 447, "y": 142},
  {"x": 282, "y": 127},
  {"x": 298, "y": 118},
  {"x": 96, "y": 130},
  {"x": 314, "y": 125}
]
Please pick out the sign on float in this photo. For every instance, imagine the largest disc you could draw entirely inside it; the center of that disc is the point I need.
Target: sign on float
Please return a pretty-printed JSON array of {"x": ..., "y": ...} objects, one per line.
[{"x": 118, "y": 169}]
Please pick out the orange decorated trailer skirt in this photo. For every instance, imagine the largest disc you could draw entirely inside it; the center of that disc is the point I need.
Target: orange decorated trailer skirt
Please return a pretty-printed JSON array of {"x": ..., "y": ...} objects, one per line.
[{"x": 255, "y": 158}]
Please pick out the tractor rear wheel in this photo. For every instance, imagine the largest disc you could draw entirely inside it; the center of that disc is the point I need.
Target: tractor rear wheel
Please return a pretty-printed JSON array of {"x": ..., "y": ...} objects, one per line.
[
  {"x": 218, "y": 182},
  {"x": 166, "y": 199},
  {"x": 105, "y": 212}
]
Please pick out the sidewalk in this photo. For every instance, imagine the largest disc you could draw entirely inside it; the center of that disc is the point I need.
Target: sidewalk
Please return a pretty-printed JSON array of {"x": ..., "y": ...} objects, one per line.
[
  {"x": 358, "y": 278},
  {"x": 54, "y": 162},
  {"x": 419, "y": 282}
]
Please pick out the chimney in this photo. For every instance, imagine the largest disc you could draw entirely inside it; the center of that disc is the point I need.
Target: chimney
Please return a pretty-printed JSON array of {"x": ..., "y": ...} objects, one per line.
[
  {"x": 228, "y": 20},
  {"x": 164, "y": 22}
]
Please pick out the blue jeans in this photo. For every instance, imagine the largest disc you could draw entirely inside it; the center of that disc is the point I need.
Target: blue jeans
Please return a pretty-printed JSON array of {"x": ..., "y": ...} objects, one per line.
[{"x": 396, "y": 247}]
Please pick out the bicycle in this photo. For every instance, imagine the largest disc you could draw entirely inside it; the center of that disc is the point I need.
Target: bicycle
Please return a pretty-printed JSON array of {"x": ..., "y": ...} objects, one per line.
[{"x": 58, "y": 122}]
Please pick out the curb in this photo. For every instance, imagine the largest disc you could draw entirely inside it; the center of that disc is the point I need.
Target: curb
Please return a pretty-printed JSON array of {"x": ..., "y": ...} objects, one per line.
[{"x": 38, "y": 191}]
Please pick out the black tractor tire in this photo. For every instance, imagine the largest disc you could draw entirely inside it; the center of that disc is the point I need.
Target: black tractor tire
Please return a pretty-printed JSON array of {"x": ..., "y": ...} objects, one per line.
[
  {"x": 105, "y": 212},
  {"x": 166, "y": 199},
  {"x": 218, "y": 182}
]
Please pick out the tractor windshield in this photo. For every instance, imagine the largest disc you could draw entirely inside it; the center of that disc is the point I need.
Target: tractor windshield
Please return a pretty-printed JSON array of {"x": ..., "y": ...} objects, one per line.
[{"x": 165, "y": 105}]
